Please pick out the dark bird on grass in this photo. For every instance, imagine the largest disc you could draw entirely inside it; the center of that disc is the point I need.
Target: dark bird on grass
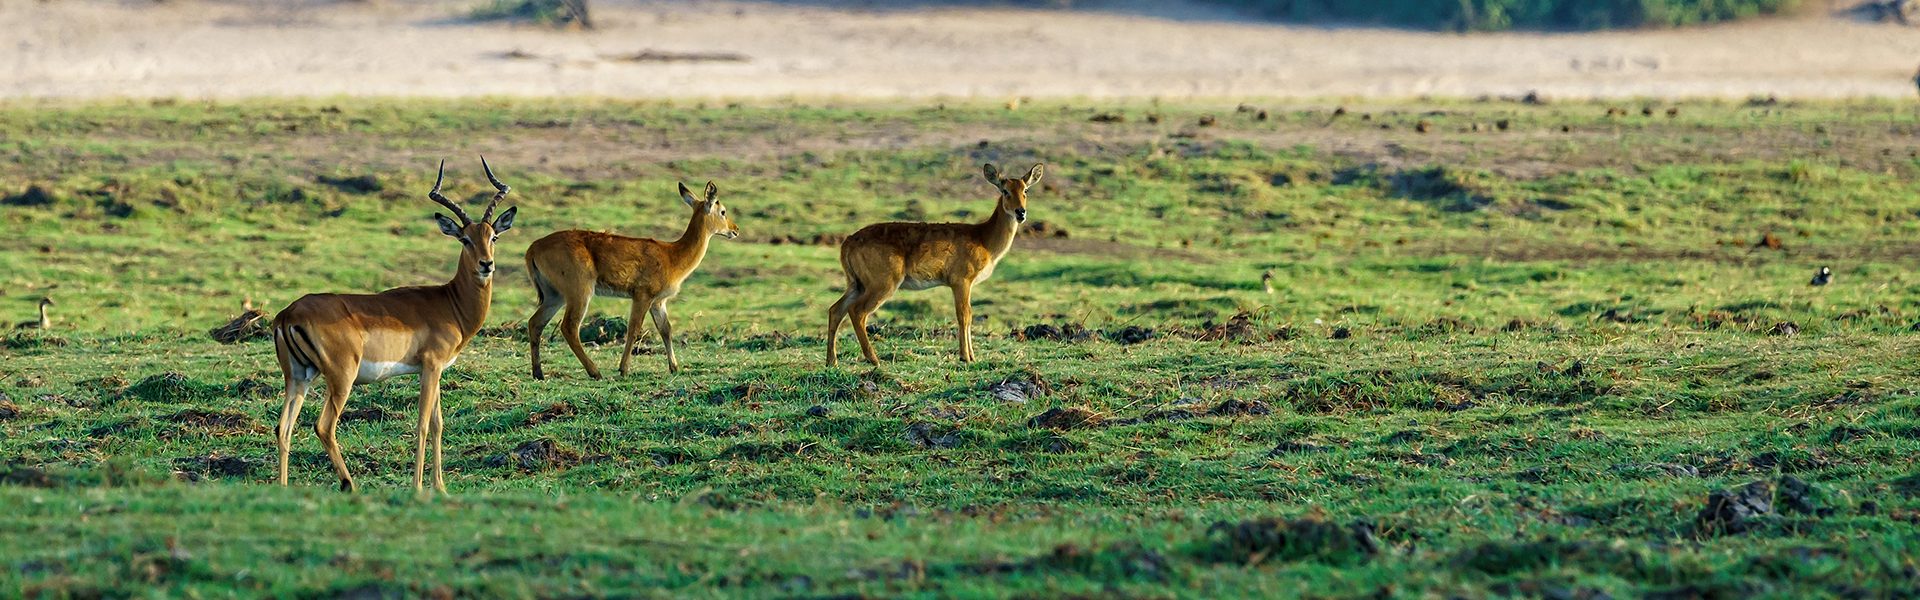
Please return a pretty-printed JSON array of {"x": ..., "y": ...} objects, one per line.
[
  {"x": 1825, "y": 275},
  {"x": 43, "y": 323},
  {"x": 1266, "y": 281}
]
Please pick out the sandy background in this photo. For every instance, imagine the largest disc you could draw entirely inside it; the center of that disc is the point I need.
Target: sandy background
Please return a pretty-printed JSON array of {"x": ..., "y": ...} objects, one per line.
[{"x": 829, "y": 48}]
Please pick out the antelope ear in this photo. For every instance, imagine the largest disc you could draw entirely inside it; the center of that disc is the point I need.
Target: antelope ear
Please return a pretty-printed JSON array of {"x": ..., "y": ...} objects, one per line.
[
  {"x": 686, "y": 195},
  {"x": 713, "y": 191},
  {"x": 505, "y": 221},
  {"x": 992, "y": 173},
  {"x": 447, "y": 226},
  {"x": 1033, "y": 175}
]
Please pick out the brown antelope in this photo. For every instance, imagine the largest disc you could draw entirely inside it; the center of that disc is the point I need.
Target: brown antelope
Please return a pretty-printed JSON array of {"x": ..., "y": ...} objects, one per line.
[
  {"x": 882, "y": 258},
  {"x": 43, "y": 323},
  {"x": 570, "y": 267},
  {"x": 354, "y": 339}
]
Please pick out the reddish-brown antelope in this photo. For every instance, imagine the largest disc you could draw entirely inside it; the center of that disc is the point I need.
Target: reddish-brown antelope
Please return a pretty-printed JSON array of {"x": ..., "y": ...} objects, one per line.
[
  {"x": 569, "y": 268},
  {"x": 882, "y": 258},
  {"x": 355, "y": 339}
]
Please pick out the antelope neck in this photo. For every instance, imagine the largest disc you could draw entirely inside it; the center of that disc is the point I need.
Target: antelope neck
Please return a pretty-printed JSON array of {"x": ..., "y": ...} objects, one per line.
[
  {"x": 692, "y": 245},
  {"x": 998, "y": 230},
  {"x": 469, "y": 296}
]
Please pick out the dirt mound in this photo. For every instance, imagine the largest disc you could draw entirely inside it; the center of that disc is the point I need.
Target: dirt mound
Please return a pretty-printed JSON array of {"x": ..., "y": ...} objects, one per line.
[
  {"x": 1065, "y": 332},
  {"x": 1736, "y": 510},
  {"x": 8, "y": 410},
  {"x": 1240, "y": 408},
  {"x": 1238, "y": 328},
  {"x": 1066, "y": 419},
  {"x": 26, "y": 476},
  {"x": 1131, "y": 334},
  {"x": 554, "y": 412},
  {"x": 193, "y": 468},
  {"x": 253, "y": 388},
  {"x": 165, "y": 387},
  {"x": 1018, "y": 391},
  {"x": 368, "y": 414},
  {"x": 1273, "y": 538},
  {"x": 1173, "y": 414},
  {"x": 927, "y": 435},
  {"x": 536, "y": 455}
]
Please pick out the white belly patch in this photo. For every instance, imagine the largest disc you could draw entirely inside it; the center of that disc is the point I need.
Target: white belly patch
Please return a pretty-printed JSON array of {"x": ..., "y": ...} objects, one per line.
[{"x": 371, "y": 372}]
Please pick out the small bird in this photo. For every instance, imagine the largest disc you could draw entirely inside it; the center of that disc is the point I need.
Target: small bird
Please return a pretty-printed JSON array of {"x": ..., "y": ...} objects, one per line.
[
  {"x": 43, "y": 323},
  {"x": 1266, "y": 280},
  {"x": 1822, "y": 278}
]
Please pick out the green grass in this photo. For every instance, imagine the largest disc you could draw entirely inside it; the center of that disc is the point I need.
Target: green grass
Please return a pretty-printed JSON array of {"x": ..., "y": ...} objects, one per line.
[{"x": 1520, "y": 358}]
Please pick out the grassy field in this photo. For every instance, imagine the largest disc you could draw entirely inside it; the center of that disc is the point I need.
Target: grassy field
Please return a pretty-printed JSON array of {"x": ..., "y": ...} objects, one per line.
[{"x": 1513, "y": 349}]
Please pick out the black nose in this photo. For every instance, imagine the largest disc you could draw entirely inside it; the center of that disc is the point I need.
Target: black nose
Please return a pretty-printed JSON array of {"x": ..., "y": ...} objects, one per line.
[
  {"x": 486, "y": 265},
  {"x": 1020, "y": 214}
]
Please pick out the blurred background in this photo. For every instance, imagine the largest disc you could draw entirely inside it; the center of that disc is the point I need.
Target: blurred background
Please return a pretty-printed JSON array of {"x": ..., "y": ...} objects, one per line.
[{"x": 933, "y": 49}]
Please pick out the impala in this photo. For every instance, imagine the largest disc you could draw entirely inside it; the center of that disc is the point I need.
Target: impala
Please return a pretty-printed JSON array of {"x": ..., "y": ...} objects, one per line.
[
  {"x": 354, "y": 339},
  {"x": 882, "y": 258},
  {"x": 570, "y": 267}
]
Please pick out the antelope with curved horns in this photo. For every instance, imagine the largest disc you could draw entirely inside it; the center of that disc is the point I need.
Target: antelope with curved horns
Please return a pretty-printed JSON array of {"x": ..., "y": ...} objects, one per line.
[
  {"x": 354, "y": 339},
  {"x": 882, "y": 258},
  {"x": 569, "y": 268}
]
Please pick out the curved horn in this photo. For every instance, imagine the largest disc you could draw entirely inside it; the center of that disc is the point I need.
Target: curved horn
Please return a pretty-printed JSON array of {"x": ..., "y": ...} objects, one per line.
[
  {"x": 435, "y": 196},
  {"x": 488, "y": 217}
]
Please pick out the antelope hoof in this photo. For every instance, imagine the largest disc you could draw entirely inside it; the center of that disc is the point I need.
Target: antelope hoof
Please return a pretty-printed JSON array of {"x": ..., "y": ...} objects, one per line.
[{"x": 346, "y": 485}]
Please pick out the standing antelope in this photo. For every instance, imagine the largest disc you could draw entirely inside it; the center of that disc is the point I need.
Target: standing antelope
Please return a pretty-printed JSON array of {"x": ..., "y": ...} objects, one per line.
[
  {"x": 354, "y": 339},
  {"x": 882, "y": 258},
  {"x": 571, "y": 267}
]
